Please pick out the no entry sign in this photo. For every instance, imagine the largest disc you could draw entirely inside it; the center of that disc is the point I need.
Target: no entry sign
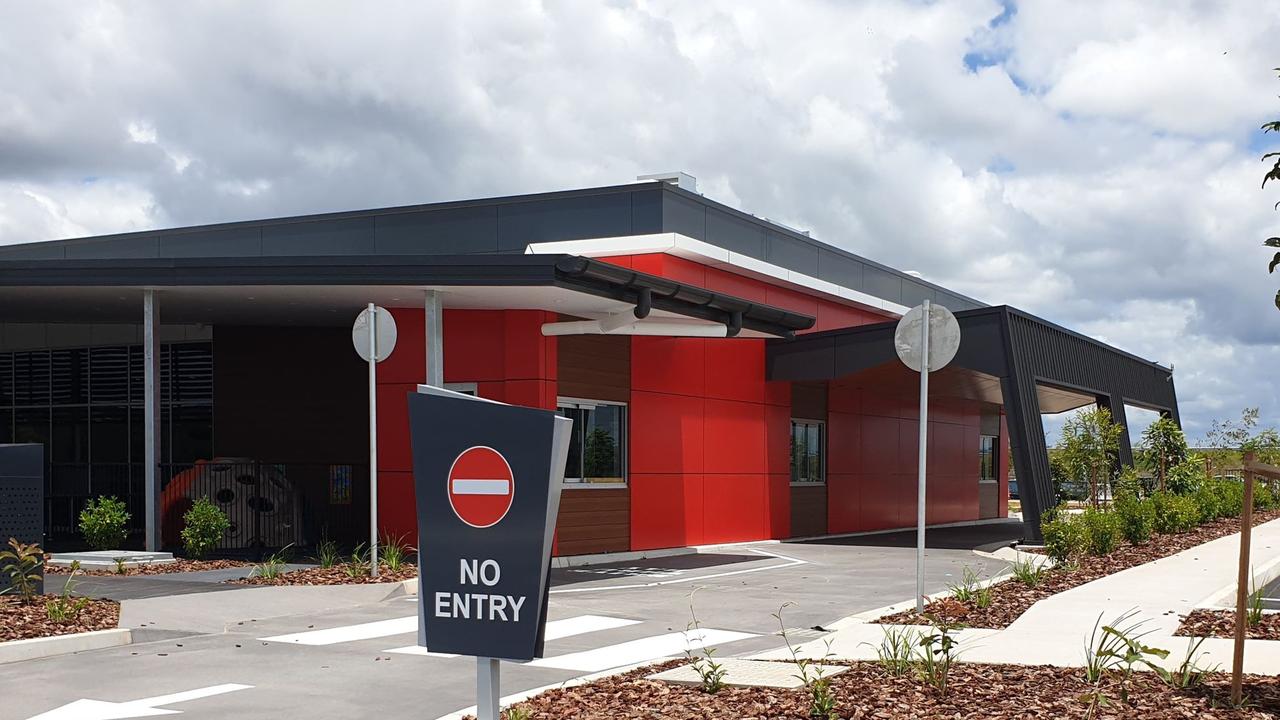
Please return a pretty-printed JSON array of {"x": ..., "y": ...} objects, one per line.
[
  {"x": 487, "y": 478},
  {"x": 481, "y": 486}
]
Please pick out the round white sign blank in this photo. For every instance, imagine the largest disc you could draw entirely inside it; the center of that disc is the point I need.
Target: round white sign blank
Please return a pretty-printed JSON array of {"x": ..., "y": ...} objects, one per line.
[
  {"x": 944, "y": 337},
  {"x": 385, "y": 329}
]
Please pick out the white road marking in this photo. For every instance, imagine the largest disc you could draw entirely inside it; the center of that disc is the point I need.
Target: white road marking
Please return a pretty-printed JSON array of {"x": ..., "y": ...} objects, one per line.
[
  {"x": 790, "y": 562},
  {"x": 85, "y": 709},
  {"x": 556, "y": 629},
  {"x": 634, "y": 651},
  {"x": 350, "y": 633}
]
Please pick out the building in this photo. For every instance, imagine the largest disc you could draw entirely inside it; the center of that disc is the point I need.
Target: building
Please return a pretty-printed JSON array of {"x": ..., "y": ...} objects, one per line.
[{"x": 733, "y": 379}]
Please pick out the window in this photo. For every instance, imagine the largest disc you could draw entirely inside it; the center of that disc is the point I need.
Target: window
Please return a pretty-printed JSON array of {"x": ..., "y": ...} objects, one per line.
[
  {"x": 466, "y": 388},
  {"x": 988, "y": 445},
  {"x": 598, "y": 448},
  {"x": 808, "y": 451}
]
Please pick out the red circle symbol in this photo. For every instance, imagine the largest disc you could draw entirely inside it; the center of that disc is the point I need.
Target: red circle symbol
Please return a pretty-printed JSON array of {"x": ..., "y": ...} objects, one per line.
[{"x": 481, "y": 486}]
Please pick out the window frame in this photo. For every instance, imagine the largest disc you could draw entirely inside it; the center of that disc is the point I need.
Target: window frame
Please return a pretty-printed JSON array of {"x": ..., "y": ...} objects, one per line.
[
  {"x": 822, "y": 452},
  {"x": 995, "y": 459},
  {"x": 578, "y": 483}
]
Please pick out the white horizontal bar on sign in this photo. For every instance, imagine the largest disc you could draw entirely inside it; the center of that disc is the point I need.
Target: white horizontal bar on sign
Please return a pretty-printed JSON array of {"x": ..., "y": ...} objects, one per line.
[
  {"x": 350, "y": 633},
  {"x": 481, "y": 486},
  {"x": 556, "y": 629},
  {"x": 635, "y": 651}
]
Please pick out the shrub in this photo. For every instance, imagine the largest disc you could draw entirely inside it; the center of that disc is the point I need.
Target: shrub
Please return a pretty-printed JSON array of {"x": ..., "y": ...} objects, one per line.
[
  {"x": 1137, "y": 518},
  {"x": 103, "y": 523},
  {"x": 1186, "y": 476},
  {"x": 1175, "y": 513},
  {"x": 204, "y": 526},
  {"x": 1130, "y": 484},
  {"x": 1063, "y": 537},
  {"x": 1208, "y": 503},
  {"x": 23, "y": 564},
  {"x": 1101, "y": 530},
  {"x": 1264, "y": 498}
]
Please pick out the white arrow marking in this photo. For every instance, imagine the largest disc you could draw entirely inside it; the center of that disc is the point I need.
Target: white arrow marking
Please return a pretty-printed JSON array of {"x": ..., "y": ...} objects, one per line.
[{"x": 146, "y": 707}]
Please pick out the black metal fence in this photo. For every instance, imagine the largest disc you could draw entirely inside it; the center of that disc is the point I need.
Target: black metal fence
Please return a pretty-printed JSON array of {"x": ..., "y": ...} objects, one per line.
[{"x": 270, "y": 505}]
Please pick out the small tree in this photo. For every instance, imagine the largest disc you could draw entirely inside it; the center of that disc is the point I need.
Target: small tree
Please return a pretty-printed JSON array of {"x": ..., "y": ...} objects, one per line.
[
  {"x": 104, "y": 523},
  {"x": 1162, "y": 446},
  {"x": 1272, "y": 174},
  {"x": 1228, "y": 439},
  {"x": 204, "y": 525},
  {"x": 1089, "y": 446}
]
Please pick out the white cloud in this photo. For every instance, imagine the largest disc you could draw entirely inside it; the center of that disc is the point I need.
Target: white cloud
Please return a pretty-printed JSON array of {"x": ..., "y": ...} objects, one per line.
[{"x": 1087, "y": 161}]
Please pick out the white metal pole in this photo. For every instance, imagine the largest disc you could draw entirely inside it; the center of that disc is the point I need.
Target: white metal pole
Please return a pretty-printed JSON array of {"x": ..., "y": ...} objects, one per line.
[
  {"x": 373, "y": 439},
  {"x": 488, "y": 689},
  {"x": 434, "y": 316},
  {"x": 924, "y": 436}
]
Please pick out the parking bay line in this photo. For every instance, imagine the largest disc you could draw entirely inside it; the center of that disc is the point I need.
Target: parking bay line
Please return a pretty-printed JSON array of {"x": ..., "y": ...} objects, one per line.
[
  {"x": 633, "y": 651},
  {"x": 350, "y": 633},
  {"x": 556, "y": 629},
  {"x": 791, "y": 562}
]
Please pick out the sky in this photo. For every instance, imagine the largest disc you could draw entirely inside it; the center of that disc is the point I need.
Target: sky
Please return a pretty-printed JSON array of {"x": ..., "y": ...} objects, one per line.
[{"x": 1094, "y": 163}]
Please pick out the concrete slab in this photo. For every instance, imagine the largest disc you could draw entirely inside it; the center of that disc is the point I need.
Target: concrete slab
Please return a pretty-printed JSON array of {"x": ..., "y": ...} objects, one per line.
[
  {"x": 33, "y": 648},
  {"x": 110, "y": 559},
  {"x": 750, "y": 673}
]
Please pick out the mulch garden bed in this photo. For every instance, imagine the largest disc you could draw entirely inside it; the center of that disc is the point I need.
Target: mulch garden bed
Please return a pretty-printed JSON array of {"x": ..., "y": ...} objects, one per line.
[
  {"x": 1222, "y": 624},
  {"x": 1010, "y": 598},
  {"x": 336, "y": 575},
  {"x": 867, "y": 691},
  {"x": 23, "y": 619},
  {"x": 179, "y": 565}
]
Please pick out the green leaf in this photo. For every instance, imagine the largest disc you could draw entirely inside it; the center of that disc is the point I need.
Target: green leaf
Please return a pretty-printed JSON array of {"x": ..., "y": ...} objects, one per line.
[
  {"x": 1273, "y": 125},
  {"x": 1272, "y": 242},
  {"x": 1274, "y": 262},
  {"x": 1278, "y": 300}
]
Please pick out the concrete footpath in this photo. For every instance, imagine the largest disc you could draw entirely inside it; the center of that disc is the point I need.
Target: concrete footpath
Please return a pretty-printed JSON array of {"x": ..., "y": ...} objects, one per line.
[{"x": 1054, "y": 631}]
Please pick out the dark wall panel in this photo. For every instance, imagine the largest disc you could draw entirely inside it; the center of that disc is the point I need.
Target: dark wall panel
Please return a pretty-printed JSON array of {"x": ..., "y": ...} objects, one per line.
[
  {"x": 452, "y": 230},
  {"x": 243, "y": 241},
  {"x": 882, "y": 284},
  {"x": 646, "y": 212},
  {"x": 914, "y": 293},
  {"x": 840, "y": 269},
  {"x": 735, "y": 233},
  {"x": 792, "y": 253},
  {"x": 809, "y": 400},
  {"x": 808, "y": 510},
  {"x": 684, "y": 215},
  {"x": 568, "y": 218},
  {"x": 343, "y": 236},
  {"x": 140, "y": 246}
]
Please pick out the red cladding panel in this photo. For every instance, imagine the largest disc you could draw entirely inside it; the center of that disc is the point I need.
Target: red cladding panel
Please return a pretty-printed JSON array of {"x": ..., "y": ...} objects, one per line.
[
  {"x": 735, "y": 369},
  {"x": 525, "y": 349},
  {"x": 737, "y": 285},
  {"x": 474, "y": 343},
  {"x": 879, "y": 502},
  {"x": 844, "y": 443},
  {"x": 778, "y": 439},
  {"x": 879, "y": 453},
  {"x": 734, "y": 507},
  {"x": 778, "y": 514},
  {"x": 792, "y": 300},
  {"x": 397, "y": 512},
  {"x": 393, "y": 427},
  {"x": 843, "y": 502},
  {"x": 666, "y": 511},
  {"x": 778, "y": 392},
  {"x": 666, "y": 433},
  {"x": 844, "y": 398},
  {"x": 407, "y": 363},
  {"x": 831, "y": 316},
  {"x": 669, "y": 365},
  {"x": 735, "y": 437},
  {"x": 530, "y": 393}
]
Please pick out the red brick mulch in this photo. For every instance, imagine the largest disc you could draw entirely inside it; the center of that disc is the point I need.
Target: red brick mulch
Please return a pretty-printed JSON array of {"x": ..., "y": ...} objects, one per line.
[
  {"x": 1222, "y": 624},
  {"x": 996, "y": 692},
  {"x": 21, "y": 619},
  {"x": 179, "y": 565},
  {"x": 1009, "y": 599},
  {"x": 336, "y": 575}
]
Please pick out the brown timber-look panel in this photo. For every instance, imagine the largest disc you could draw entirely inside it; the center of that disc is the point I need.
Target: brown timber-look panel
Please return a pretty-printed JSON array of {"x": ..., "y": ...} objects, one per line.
[
  {"x": 808, "y": 510},
  {"x": 593, "y": 520},
  {"x": 594, "y": 367}
]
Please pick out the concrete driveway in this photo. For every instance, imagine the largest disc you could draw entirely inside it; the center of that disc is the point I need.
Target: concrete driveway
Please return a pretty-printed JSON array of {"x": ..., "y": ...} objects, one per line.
[{"x": 338, "y": 653}]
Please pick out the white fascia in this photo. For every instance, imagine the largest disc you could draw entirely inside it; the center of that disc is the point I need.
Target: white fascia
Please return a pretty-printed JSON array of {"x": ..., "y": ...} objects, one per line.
[{"x": 683, "y": 246}]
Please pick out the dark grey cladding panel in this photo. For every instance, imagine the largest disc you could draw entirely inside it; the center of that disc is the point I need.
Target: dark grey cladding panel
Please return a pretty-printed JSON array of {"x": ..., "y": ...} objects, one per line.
[
  {"x": 127, "y": 246},
  {"x": 840, "y": 269},
  {"x": 243, "y": 241},
  {"x": 735, "y": 234},
  {"x": 792, "y": 253},
  {"x": 982, "y": 344},
  {"x": 646, "y": 212},
  {"x": 954, "y": 302},
  {"x": 344, "y": 236},
  {"x": 813, "y": 359},
  {"x": 454, "y": 230},
  {"x": 882, "y": 284},
  {"x": 684, "y": 215},
  {"x": 34, "y": 251},
  {"x": 914, "y": 293},
  {"x": 568, "y": 218}
]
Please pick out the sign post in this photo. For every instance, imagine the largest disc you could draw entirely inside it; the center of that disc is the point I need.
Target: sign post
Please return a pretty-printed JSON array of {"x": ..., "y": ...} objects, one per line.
[
  {"x": 374, "y": 337},
  {"x": 487, "y": 478},
  {"x": 926, "y": 339}
]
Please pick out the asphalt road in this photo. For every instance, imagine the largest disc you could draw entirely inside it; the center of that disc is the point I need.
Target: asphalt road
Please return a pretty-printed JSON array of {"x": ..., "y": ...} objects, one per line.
[{"x": 324, "y": 660}]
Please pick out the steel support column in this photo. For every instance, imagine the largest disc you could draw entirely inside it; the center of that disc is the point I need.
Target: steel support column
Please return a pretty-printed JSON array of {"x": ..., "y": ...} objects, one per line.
[
  {"x": 151, "y": 416},
  {"x": 434, "y": 317}
]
